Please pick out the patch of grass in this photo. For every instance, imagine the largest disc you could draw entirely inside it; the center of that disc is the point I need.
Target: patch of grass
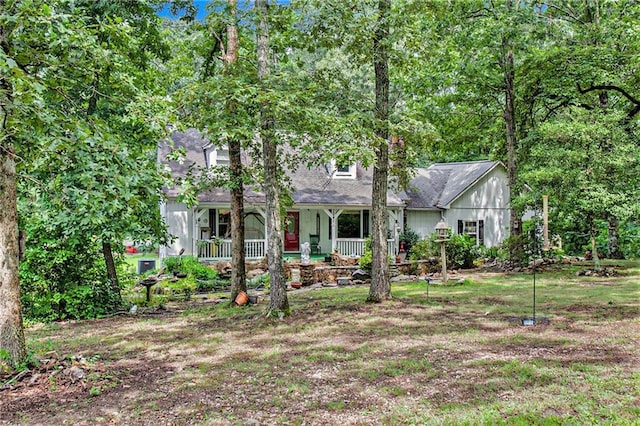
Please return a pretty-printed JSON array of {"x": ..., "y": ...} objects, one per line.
[{"x": 336, "y": 405}]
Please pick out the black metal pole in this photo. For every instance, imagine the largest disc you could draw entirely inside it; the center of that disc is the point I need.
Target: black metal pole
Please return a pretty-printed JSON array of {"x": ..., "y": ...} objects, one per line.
[
  {"x": 535, "y": 251},
  {"x": 534, "y": 291}
]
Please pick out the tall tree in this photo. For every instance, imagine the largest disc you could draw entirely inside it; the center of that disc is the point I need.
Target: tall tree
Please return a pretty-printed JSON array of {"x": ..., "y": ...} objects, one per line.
[
  {"x": 507, "y": 67},
  {"x": 574, "y": 156},
  {"x": 138, "y": 49},
  {"x": 28, "y": 67},
  {"x": 468, "y": 81},
  {"x": 589, "y": 64},
  {"x": 380, "y": 288},
  {"x": 278, "y": 302},
  {"x": 11, "y": 328},
  {"x": 238, "y": 274}
]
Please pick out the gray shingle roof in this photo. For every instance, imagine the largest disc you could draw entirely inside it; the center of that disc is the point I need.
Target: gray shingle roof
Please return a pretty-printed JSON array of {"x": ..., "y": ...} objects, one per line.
[
  {"x": 313, "y": 187},
  {"x": 437, "y": 186}
]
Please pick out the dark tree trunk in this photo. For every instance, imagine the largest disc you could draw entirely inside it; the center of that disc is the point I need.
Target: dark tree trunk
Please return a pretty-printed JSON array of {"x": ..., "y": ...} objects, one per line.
[
  {"x": 112, "y": 274},
  {"x": 380, "y": 288},
  {"x": 278, "y": 303},
  {"x": 11, "y": 327},
  {"x": 238, "y": 270},
  {"x": 509, "y": 115}
]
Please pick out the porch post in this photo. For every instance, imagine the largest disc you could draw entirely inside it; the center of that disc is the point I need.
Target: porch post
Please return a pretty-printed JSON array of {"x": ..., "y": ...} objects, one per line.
[
  {"x": 266, "y": 234},
  {"x": 197, "y": 215},
  {"x": 395, "y": 217},
  {"x": 194, "y": 232},
  {"x": 333, "y": 215}
]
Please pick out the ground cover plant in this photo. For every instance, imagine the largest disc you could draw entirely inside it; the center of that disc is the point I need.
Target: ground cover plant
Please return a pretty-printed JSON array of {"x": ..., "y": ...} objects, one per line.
[{"x": 457, "y": 355}]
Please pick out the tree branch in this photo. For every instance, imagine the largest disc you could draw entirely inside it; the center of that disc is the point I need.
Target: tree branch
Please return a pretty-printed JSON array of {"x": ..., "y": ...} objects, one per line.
[
  {"x": 633, "y": 100},
  {"x": 566, "y": 12}
]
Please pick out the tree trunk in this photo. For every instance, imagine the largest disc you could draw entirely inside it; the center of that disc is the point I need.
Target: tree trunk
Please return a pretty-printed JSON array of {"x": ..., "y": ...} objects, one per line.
[
  {"x": 238, "y": 269},
  {"x": 380, "y": 288},
  {"x": 509, "y": 115},
  {"x": 278, "y": 304},
  {"x": 107, "y": 253},
  {"x": 593, "y": 231},
  {"x": 112, "y": 274},
  {"x": 613, "y": 241},
  {"x": 11, "y": 327}
]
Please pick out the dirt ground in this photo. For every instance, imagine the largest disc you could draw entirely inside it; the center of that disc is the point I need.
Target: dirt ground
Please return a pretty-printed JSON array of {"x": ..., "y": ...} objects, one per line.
[{"x": 402, "y": 362}]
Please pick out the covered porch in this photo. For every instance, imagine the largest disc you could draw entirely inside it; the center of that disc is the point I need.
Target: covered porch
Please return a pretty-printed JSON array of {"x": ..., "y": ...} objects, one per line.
[{"x": 327, "y": 230}]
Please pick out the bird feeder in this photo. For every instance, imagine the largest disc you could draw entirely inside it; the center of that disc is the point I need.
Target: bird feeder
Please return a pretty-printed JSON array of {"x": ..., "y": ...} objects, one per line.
[{"x": 442, "y": 232}]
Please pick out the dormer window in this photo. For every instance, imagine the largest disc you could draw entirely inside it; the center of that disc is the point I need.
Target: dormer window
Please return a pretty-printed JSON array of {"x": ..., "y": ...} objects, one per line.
[
  {"x": 342, "y": 171},
  {"x": 217, "y": 156}
]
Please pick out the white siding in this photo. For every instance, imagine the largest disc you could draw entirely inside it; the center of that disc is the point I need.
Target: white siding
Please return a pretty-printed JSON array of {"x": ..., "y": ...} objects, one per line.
[
  {"x": 179, "y": 220},
  {"x": 422, "y": 222},
  {"x": 487, "y": 200}
]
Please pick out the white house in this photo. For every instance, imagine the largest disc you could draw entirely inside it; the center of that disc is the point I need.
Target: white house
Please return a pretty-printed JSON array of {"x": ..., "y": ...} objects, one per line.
[
  {"x": 331, "y": 206},
  {"x": 472, "y": 198}
]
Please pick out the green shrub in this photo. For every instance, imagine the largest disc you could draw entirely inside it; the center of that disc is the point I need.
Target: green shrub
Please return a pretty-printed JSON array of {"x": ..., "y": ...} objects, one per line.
[
  {"x": 409, "y": 237},
  {"x": 424, "y": 249},
  {"x": 461, "y": 250},
  {"x": 366, "y": 259},
  {"x": 190, "y": 266},
  {"x": 186, "y": 286},
  {"x": 263, "y": 280},
  {"x": 63, "y": 277}
]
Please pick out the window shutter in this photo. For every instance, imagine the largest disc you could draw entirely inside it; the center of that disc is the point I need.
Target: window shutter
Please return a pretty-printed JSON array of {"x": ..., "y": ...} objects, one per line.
[
  {"x": 460, "y": 227},
  {"x": 481, "y": 232},
  {"x": 365, "y": 223}
]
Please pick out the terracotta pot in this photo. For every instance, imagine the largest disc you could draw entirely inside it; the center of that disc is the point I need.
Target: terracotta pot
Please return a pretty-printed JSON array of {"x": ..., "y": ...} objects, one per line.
[{"x": 242, "y": 298}]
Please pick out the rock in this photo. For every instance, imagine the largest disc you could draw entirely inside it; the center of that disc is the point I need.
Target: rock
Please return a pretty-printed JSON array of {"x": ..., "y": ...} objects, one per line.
[
  {"x": 343, "y": 281},
  {"x": 34, "y": 379},
  {"x": 75, "y": 374},
  {"x": 402, "y": 278},
  {"x": 360, "y": 274}
]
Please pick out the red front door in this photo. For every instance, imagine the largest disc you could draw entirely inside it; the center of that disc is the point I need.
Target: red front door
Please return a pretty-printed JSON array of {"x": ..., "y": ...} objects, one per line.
[{"x": 292, "y": 232}]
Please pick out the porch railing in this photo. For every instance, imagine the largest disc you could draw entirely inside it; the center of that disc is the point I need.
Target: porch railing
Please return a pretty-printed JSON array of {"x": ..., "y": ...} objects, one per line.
[
  {"x": 209, "y": 249},
  {"x": 256, "y": 249},
  {"x": 355, "y": 246}
]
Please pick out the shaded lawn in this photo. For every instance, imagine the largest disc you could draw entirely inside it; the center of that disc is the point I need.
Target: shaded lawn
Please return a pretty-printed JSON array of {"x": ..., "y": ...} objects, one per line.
[{"x": 454, "y": 357}]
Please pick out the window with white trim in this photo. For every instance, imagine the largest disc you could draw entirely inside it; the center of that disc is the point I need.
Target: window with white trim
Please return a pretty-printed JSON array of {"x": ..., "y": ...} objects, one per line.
[
  {"x": 218, "y": 156},
  {"x": 473, "y": 228},
  {"x": 342, "y": 171}
]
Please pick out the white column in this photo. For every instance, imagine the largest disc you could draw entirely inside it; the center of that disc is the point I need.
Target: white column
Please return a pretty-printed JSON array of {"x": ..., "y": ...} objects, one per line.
[
  {"x": 266, "y": 233},
  {"x": 333, "y": 216}
]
